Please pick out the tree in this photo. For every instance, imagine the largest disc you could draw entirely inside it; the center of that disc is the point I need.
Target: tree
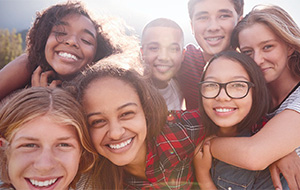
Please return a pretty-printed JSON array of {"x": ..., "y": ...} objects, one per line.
[{"x": 10, "y": 46}]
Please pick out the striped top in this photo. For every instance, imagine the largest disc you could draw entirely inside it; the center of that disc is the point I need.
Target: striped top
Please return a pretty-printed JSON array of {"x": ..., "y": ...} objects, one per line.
[{"x": 190, "y": 74}]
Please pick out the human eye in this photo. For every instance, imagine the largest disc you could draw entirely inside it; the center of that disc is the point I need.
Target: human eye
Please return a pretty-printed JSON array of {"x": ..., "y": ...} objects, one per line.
[
  {"x": 153, "y": 48},
  {"x": 267, "y": 47},
  {"x": 201, "y": 18},
  {"x": 29, "y": 145},
  {"x": 247, "y": 52},
  {"x": 127, "y": 115},
  {"x": 225, "y": 16},
  {"x": 210, "y": 85},
  {"x": 64, "y": 145},
  {"x": 238, "y": 85},
  {"x": 174, "y": 49},
  {"x": 98, "y": 123},
  {"x": 59, "y": 33},
  {"x": 87, "y": 39}
]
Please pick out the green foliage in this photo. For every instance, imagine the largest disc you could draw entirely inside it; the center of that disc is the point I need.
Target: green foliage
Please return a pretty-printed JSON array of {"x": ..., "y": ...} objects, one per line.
[{"x": 10, "y": 46}]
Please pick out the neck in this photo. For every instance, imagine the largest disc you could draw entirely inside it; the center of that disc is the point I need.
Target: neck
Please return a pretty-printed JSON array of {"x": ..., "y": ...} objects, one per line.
[
  {"x": 227, "y": 131},
  {"x": 138, "y": 166},
  {"x": 281, "y": 88},
  {"x": 160, "y": 84},
  {"x": 207, "y": 57}
]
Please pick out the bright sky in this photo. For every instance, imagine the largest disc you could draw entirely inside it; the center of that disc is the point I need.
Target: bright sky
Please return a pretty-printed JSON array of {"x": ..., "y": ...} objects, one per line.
[{"x": 136, "y": 13}]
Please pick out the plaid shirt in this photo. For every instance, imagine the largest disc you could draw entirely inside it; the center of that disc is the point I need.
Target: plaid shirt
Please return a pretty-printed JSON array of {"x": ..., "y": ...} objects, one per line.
[{"x": 170, "y": 154}]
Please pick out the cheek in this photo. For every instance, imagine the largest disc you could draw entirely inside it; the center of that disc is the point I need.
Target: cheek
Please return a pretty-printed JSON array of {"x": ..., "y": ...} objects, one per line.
[
  {"x": 97, "y": 136},
  {"x": 207, "y": 105}
]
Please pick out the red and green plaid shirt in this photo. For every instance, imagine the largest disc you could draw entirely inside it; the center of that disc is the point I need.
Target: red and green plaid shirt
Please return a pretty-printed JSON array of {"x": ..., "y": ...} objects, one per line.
[{"x": 170, "y": 155}]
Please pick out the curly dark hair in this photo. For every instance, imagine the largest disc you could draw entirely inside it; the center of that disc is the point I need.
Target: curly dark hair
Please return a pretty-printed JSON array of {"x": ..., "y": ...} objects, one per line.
[{"x": 39, "y": 32}]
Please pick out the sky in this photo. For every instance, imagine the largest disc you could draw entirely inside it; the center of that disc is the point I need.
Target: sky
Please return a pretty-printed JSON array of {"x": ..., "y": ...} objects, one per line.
[{"x": 19, "y": 14}]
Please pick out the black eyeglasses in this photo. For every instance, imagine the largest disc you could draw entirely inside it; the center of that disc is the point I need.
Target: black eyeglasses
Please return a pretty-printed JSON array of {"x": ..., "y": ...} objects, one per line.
[{"x": 233, "y": 89}]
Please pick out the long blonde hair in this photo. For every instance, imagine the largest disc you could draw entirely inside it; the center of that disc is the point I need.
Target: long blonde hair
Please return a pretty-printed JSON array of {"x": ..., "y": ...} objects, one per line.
[
  {"x": 281, "y": 23},
  {"x": 34, "y": 102}
]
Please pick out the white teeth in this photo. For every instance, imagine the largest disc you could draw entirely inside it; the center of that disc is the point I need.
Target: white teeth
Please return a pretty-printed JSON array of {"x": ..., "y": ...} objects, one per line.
[
  {"x": 213, "y": 39},
  {"x": 67, "y": 55},
  {"x": 121, "y": 145},
  {"x": 42, "y": 183},
  {"x": 223, "y": 110}
]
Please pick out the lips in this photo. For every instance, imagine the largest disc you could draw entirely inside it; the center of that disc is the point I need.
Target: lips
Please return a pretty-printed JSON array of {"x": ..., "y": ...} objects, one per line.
[
  {"x": 68, "y": 55},
  {"x": 43, "y": 184},
  {"x": 214, "y": 40},
  {"x": 162, "y": 68},
  {"x": 120, "y": 145},
  {"x": 224, "y": 110}
]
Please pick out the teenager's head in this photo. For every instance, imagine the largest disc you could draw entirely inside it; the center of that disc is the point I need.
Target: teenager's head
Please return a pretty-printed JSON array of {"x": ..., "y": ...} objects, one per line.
[
  {"x": 46, "y": 141},
  {"x": 124, "y": 112},
  {"x": 162, "y": 49},
  {"x": 276, "y": 48},
  {"x": 238, "y": 105},
  {"x": 212, "y": 22},
  {"x": 65, "y": 38}
]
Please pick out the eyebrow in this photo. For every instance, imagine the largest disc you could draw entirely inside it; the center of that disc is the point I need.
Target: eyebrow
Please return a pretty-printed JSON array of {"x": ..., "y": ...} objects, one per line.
[
  {"x": 206, "y": 12},
  {"x": 121, "y": 107},
  {"x": 85, "y": 30},
  {"x": 36, "y": 139},
  {"x": 235, "y": 77}
]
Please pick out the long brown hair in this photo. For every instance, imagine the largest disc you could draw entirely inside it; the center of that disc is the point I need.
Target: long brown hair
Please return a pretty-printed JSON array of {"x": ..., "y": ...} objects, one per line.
[{"x": 105, "y": 174}]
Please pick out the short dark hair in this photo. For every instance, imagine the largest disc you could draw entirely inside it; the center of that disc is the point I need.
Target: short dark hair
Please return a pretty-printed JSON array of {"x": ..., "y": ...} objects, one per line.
[
  {"x": 238, "y": 6},
  {"x": 163, "y": 22}
]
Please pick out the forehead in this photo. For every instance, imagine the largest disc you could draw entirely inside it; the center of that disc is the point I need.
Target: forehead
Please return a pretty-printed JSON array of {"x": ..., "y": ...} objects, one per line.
[
  {"x": 160, "y": 34},
  {"x": 225, "y": 68},
  {"x": 211, "y": 6},
  {"x": 78, "y": 21},
  {"x": 109, "y": 91},
  {"x": 39, "y": 128}
]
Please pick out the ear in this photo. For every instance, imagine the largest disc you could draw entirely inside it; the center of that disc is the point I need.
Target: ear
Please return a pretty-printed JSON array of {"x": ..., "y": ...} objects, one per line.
[
  {"x": 3, "y": 143},
  {"x": 183, "y": 54},
  {"x": 192, "y": 27},
  {"x": 240, "y": 18},
  {"x": 291, "y": 50},
  {"x": 141, "y": 49}
]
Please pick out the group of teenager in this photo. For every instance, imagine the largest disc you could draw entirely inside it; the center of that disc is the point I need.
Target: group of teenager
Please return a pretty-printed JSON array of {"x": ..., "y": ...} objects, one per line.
[{"x": 77, "y": 112}]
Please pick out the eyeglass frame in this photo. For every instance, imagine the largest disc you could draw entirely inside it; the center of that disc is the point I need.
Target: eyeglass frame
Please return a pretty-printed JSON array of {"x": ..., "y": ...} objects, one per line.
[{"x": 223, "y": 85}]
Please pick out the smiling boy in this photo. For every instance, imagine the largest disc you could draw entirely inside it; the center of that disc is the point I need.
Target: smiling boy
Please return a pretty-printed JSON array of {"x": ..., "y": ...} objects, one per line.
[{"x": 162, "y": 51}]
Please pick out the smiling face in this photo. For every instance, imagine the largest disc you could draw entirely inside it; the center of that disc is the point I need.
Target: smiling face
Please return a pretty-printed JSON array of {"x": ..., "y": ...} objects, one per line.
[
  {"x": 71, "y": 45},
  {"x": 117, "y": 122},
  {"x": 162, "y": 49},
  {"x": 212, "y": 25},
  {"x": 43, "y": 154},
  {"x": 267, "y": 50},
  {"x": 222, "y": 110}
]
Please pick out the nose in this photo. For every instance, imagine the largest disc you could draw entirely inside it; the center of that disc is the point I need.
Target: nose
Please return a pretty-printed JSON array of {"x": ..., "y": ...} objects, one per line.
[
  {"x": 213, "y": 25},
  {"x": 116, "y": 130},
  {"x": 72, "y": 40},
  {"x": 163, "y": 54},
  {"x": 258, "y": 58},
  {"x": 45, "y": 161},
  {"x": 223, "y": 96}
]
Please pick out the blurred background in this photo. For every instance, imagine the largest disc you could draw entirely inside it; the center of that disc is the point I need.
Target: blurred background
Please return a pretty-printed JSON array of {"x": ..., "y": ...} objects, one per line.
[{"x": 16, "y": 16}]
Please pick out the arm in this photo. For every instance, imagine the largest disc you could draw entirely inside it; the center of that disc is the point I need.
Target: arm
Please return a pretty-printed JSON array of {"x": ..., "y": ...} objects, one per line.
[
  {"x": 279, "y": 137},
  {"x": 14, "y": 75},
  {"x": 289, "y": 166},
  {"x": 202, "y": 164}
]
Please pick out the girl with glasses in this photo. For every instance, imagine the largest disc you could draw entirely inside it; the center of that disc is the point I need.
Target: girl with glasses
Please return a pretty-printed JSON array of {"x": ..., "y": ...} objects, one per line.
[{"x": 234, "y": 97}]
